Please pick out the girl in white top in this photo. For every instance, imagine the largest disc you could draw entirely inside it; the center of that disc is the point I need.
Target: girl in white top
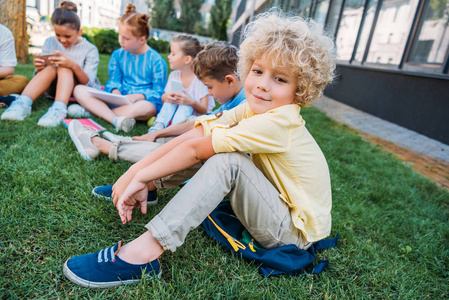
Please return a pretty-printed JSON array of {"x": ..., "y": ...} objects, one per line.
[
  {"x": 194, "y": 98},
  {"x": 76, "y": 61}
]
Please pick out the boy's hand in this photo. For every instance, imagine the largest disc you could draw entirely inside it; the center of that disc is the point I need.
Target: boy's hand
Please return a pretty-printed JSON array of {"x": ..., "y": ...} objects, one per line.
[
  {"x": 149, "y": 137},
  {"x": 121, "y": 184},
  {"x": 135, "y": 196}
]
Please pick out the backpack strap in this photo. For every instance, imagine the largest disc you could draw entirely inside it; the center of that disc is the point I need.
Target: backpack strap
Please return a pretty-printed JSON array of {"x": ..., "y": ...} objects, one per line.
[{"x": 235, "y": 244}]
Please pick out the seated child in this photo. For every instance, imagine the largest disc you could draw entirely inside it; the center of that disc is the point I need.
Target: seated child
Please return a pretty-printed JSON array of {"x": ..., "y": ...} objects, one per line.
[
  {"x": 76, "y": 62},
  {"x": 194, "y": 99},
  {"x": 135, "y": 70},
  {"x": 224, "y": 86},
  {"x": 9, "y": 83},
  {"x": 282, "y": 194}
]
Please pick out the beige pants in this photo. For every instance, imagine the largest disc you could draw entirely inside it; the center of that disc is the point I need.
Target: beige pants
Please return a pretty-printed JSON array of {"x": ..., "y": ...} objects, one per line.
[
  {"x": 12, "y": 84},
  {"x": 253, "y": 198}
]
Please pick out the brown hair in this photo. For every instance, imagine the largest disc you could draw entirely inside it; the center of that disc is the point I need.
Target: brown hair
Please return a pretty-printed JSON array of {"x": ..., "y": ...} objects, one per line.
[
  {"x": 189, "y": 45},
  {"x": 216, "y": 60},
  {"x": 66, "y": 15},
  {"x": 139, "y": 23}
]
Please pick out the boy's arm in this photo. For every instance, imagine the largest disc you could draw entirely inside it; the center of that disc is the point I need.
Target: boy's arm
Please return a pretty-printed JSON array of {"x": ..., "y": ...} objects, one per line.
[
  {"x": 174, "y": 130},
  {"x": 6, "y": 71},
  {"x": 184, "y": 155}
]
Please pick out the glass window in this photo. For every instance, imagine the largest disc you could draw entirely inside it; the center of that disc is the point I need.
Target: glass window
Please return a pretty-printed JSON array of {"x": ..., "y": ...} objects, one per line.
[
  {"x": 349, "y": 27},
  {"x": 31, "y": 3},
  {"x": 432, "y": 39},
  {"x": 365, "y": 30},
  {"x": 334, "y": 12},
  {"x": 321, "y": 12},
  {"x": 392, "y": 29}
]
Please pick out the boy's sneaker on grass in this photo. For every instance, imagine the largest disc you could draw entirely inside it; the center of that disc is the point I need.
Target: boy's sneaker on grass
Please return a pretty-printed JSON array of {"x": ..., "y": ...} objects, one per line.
[
  {"x": 105, "y": 192},
  {"x": 17, "y": 111},
  {"x": 81, "y": 137},
  {"x": 105, "y": 269},
  {"x": 115, "y": 138},
  {"x": 6, "y": 100},
  {"x": 53, "y": 117},
  {"x": 77, "y": 111},
  {"x": 125, "y": 124}
]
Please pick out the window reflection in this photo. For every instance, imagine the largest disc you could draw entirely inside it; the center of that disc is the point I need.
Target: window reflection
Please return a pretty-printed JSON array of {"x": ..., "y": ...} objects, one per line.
[
  {"x": 333, "y": 15},
  {"x": 365, "y": 30},
  {"x": 349, "y": 26},
  {"x": 321, "y": 12},
  {"x": 392, "y": 29},
  {"x": 432, "y": 40}
]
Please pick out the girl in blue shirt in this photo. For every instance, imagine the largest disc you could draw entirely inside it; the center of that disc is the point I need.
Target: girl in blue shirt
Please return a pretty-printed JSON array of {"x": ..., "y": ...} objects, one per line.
[{"x": 135, "y": 70}]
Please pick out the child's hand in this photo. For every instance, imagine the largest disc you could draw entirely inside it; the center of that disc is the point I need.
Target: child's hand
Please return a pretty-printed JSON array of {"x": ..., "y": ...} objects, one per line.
[
  {"x": 135, "y": 97},
  {"x": 135, "y": 196},
  {"x": 169, "y": 97},
  {"x": 116, "y": 91},
  {"x": 62, "y": 61},
  {"x": 149, "y": 137},
  {"x": 39, "y": 63},
  {"x": 184, "y": 99},
  {"x": 121, "y": 184}
]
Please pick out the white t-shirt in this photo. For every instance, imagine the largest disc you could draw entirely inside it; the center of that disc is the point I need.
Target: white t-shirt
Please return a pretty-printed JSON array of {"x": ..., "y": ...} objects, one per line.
[
  {"x": 196, "y": 90},
  {"x": 7, "y": 51}
]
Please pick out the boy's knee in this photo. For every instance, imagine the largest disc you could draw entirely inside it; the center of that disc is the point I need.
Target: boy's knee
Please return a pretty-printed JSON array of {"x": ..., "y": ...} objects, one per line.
[{"x": 230, "y": 159}]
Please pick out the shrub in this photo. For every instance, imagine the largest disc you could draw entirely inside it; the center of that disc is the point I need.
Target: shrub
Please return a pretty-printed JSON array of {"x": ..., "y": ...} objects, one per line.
[
  {"x": 159, "y": 45},
  {"x": 106, "y": 41}
]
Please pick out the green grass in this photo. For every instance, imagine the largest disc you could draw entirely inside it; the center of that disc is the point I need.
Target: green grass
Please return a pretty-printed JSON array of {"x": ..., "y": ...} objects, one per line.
[{"x": 393, "y": 224}]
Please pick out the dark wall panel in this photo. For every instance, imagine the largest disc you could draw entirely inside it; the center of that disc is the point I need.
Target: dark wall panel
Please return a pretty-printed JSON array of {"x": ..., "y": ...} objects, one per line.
[{"x": 415, "y": 102}]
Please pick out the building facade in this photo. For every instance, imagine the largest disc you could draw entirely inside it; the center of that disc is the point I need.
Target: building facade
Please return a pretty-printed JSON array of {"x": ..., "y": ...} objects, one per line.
[{"x": 393, "y": 55}]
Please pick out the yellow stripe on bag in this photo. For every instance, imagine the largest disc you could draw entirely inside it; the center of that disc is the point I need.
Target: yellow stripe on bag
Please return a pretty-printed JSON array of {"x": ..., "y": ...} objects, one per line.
[{"x": 234, "y": 243}]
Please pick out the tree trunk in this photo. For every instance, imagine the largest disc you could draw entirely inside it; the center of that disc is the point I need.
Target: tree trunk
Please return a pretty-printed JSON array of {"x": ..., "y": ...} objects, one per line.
[{"x": 13, "y": 16}]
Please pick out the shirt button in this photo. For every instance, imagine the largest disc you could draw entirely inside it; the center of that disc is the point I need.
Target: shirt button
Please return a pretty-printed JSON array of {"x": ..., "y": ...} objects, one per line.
[
  {"x": 233, "y": 124},
  {"x": 219, "y": 114}
]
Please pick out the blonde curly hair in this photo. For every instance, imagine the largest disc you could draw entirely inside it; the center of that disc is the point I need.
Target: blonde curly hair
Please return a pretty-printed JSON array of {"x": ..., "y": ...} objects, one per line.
[{"x": 294, "y": 43}]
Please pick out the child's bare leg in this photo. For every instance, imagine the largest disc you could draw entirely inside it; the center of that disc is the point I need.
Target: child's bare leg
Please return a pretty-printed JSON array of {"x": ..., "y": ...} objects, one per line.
[
  {"x": 140, "y": 110},
  {"x": 102, "y": 144},
  {"x": 40, "y": 82},
  {"x": 92, "y": 104},
  {"x": 141, "y": 250},
  {"x": 65, "y": 84}
]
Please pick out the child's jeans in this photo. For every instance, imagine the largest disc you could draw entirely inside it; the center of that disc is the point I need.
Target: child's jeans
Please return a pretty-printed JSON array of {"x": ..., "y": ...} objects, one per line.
[
  {"x": 174, "y": 113},
  {"x": 254, "y": 200}
]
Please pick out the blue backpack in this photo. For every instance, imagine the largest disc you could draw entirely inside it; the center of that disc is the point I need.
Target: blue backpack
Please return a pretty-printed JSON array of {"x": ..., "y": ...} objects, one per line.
[{"x": 223, "y": 226}]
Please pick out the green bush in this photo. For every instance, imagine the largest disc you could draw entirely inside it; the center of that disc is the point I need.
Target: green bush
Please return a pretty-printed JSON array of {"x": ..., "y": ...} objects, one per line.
[
  {"x": 106, "y": 41},
  {"x": 159, "y": 45}
]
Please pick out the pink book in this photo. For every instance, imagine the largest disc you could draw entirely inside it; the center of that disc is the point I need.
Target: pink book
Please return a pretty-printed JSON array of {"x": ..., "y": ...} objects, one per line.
[{"x": 88, "y": 123}]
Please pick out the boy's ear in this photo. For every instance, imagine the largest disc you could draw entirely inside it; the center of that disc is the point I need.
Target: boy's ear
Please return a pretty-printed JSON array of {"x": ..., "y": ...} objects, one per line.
[
  {"x": 80, "y": 32},
  {"x": 230, "y": 80}
]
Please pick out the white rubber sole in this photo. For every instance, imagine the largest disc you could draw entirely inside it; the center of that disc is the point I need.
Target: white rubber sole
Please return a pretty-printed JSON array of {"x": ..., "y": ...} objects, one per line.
[{"x": 77, "y": 142}]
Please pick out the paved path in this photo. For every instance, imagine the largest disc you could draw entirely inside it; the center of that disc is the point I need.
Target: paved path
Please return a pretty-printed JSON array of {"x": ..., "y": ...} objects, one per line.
[{"x": 396, "y": 134}]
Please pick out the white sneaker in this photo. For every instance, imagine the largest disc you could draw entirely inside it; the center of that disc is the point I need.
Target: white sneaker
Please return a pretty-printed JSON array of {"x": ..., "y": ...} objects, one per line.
[
  {"x": 125, "y": 124},
  {"x": 17, "y": 111},
  {"x": 115, "y": 138},
  {"x": 53, "y": 117},
  {"x": 77, "y": 111},
  {"x": 81, "y": 137}
]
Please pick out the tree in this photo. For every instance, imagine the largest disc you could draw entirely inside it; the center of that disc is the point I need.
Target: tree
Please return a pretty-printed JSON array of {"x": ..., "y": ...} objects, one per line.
[
  {"x": 13, "y": 16},
  {"x": 162, "y": 15},
  {"x": 219, "y": 19},
  {"x": 190, "y": 14}
]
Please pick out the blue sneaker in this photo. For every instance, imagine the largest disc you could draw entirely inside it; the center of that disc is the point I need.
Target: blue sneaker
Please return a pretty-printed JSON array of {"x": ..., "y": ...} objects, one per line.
[
  {"x": 105, "y": 192},
  {"x": 104, "y": 269}
]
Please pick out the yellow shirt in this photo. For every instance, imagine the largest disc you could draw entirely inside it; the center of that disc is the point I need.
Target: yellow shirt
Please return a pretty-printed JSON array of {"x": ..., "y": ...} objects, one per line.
[{"x": 283, "y": 149}]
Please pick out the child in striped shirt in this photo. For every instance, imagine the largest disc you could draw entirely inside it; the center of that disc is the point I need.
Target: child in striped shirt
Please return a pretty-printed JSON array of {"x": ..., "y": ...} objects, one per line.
[
  {"x": 135, "y": 70},
  {"x": 76, "y": 61}
]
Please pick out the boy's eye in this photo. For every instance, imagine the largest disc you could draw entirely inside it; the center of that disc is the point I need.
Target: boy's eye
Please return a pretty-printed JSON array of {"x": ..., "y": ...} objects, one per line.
[
  {"x": 257, "y": 71},
  {"x": 281, "y": 79}
]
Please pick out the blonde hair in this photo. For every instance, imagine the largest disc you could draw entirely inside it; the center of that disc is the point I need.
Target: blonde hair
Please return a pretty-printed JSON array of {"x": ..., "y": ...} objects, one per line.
[
  {"x": 138, "y": 23},
  {"x": 294, "y": 43}
]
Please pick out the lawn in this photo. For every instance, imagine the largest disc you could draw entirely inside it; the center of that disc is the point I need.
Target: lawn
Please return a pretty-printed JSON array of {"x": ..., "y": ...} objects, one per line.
[{"x": 393, "y": 224}]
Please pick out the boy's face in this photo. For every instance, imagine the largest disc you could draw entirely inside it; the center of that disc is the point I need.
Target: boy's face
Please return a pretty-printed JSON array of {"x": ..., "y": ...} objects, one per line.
[
  {"x": 221, "y": 91},
  {"x": 267, "y": 88}
]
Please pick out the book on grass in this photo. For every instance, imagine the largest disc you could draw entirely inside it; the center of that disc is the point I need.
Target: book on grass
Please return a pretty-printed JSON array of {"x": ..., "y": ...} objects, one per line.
[
  {"x": 109, "y": 98},
  {"x": 88, "y": 123}
]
